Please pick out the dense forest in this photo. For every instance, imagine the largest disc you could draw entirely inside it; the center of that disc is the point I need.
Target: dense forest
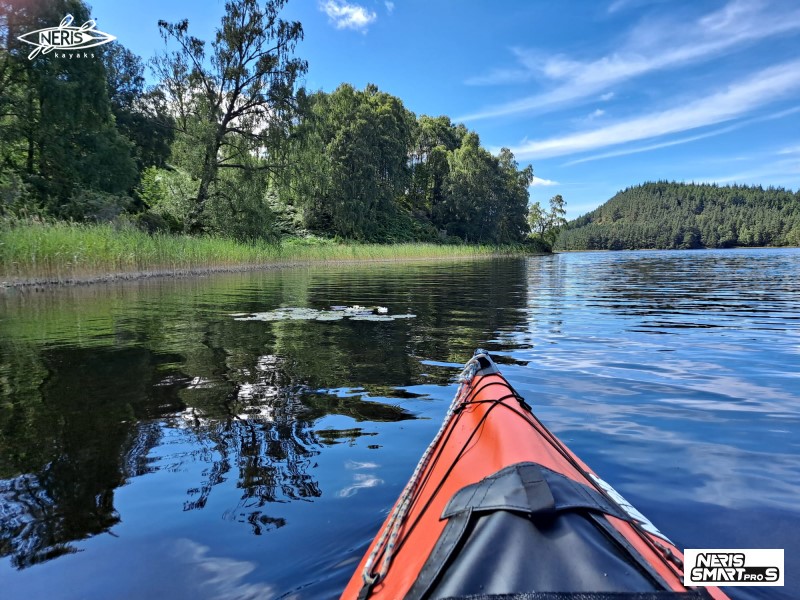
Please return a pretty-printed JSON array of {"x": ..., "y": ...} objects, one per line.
[
  {"x": 219, "y": 137},
  {"x": 680, "y": 215}
]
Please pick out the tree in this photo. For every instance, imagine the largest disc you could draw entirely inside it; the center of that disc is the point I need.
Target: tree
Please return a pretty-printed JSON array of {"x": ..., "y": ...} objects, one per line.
[
  {"x": 58, "y": 132},
  {"x": 469, "y": 206},
  {"x": 537, "y": 219},
  {"x": 434, "y": 139},
  {"x": 365, "y": 169},
  {"x": 484, "y": 198},
  {"x": 677, "y": 215},
  {"x": 514, "y": 182},
  {"x": 141, "y": 115},
  {"x": 238, "y": 101},
  {"x": 546, "y": 226},
  {"x": 556, "y": 218},
  {"x": 351, "y": 161}
]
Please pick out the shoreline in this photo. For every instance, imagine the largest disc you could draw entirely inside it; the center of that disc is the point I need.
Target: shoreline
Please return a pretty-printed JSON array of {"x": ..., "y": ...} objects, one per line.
[
  {"x": 676, "y": 249},
  {"x": 121, "y": 276}
]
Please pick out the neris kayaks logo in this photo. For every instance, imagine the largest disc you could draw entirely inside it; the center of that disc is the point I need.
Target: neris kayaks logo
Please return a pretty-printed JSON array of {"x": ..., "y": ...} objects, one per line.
[
  {"x": 66, "y": 37},
  {"x": 749, "y": 567}
]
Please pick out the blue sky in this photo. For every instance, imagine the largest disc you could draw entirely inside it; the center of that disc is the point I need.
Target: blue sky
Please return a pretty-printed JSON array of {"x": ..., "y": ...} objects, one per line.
[{"x": 596, "y": 95}]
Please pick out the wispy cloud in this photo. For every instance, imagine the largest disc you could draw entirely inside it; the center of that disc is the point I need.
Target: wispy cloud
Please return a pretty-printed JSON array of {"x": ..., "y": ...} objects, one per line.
[
  {"x": 360, "y": 480},
  {"x": 638, "y": 149},
  {"x": 693, "y": 138},
  {"x": 651, "y": 46},
  {"x": 529, "y": 66},
  {"x": 539, "y": 182},
  {"x": 785, "y": 172},
  {"x": 389, "y": 7},
  {"x": 619, "y": 5},
  {"x": 348, "y": 16},
  {"x": 737, "y": 100}
]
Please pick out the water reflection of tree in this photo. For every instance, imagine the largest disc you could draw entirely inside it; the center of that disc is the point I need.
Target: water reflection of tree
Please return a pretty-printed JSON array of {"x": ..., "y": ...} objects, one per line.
[
  {"x": 68, "y": 439},
  {"x": 267, "y": 440},
  {"x": 81, "y": 415},
  {"x": 263, "y": 438}
]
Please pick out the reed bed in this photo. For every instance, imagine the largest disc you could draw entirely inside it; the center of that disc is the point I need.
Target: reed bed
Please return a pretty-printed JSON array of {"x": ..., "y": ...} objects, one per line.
[{"x": 63, "y": 252}]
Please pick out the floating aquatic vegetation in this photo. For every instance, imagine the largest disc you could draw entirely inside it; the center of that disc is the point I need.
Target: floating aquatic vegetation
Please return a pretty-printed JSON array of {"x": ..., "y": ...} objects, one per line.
[{"x": 335, "y": 313}]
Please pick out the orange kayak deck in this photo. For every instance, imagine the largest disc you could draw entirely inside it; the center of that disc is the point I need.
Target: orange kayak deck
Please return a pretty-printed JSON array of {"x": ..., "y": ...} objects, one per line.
[{"x": 491, "y": 439}]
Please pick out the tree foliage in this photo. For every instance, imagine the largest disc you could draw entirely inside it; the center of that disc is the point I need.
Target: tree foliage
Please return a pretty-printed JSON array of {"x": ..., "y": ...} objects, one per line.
[
  {"x": 435, "y": 138},
  {"x": 236, "y": 101},
  {"x": 679, "y": 215},
  {"x": 485, "y": 197},
  {"x": 352, "y": 163},
  {"x": 225, "y": 142},
  {"x": 140, "y": 114},
  {"x": 368, "y": 169},
  {"x": 546, "y": 226},
  {"x": 57, "y": 130}
]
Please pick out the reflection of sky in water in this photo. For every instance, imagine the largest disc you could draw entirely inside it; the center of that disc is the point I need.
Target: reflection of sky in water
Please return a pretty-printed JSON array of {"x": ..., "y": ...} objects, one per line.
[
  {"x": 360, "y": 480},
  {"x": 675, "y": 376},
  {"x": 218, "y": 576}
]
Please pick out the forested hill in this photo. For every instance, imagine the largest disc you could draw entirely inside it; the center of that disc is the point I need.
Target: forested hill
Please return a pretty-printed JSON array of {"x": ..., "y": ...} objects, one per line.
[{"x": 681, "y": 215}]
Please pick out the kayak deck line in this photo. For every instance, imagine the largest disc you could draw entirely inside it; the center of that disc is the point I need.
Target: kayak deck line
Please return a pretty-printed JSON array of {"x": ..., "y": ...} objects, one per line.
[
  {"x": 387, "y": 541},
  {"x": 499, "y": 507}
]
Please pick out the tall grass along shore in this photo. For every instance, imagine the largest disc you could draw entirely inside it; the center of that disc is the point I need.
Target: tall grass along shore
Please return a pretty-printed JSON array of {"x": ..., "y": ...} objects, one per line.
[{"x": 59, "y": 252}]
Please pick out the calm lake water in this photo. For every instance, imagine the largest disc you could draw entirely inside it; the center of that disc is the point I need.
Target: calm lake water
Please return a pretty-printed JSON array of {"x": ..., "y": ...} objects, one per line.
[{"x": 154, "y": 445}]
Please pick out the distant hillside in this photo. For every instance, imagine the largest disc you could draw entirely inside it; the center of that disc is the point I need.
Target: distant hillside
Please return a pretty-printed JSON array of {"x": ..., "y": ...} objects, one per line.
[{"x": 681, "y": 215}]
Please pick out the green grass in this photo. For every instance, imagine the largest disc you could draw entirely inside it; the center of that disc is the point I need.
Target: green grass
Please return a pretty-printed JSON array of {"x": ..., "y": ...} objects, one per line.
[{"x": 67, "y": 251}]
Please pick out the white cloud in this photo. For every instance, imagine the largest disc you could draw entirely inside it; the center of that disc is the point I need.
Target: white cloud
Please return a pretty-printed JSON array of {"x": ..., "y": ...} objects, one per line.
[
  {"x": 784, "y": 172},
  {"x": 607, "y": 96},
  {"x": 529, "y": 64},
  {"x": 619, "y": 5},
  {"x": 639, "y": 149},
  {"x": 685, "y": 140},
  {"x": 597, "y": 113},
  {"x": 539, "y": 182},
  {"x": 651, "y": 46},
  {"x": 348, "y": 16},
  {"x": 738, "y": 99},
  {"x": 389, "y": 7}
]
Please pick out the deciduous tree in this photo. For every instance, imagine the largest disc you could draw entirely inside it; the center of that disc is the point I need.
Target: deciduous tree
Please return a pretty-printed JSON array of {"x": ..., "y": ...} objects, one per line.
[{"x": 237, "y": 100}]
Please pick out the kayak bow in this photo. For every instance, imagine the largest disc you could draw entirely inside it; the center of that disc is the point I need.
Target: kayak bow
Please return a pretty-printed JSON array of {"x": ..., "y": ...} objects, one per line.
[{"x": 498, "y": 507}]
